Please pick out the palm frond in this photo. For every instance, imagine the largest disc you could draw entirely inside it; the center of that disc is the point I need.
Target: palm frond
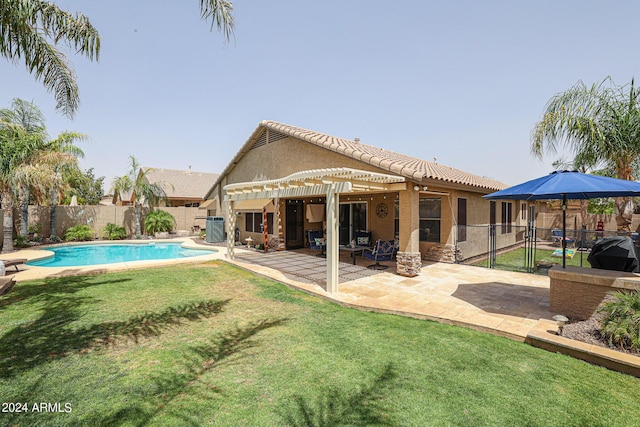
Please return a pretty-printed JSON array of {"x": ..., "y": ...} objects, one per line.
[{"x": 219, "y": 11}]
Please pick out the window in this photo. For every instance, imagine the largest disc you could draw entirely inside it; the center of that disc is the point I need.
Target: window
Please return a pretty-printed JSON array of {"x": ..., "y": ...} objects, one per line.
[
  {"x": 506, "y": 217},
  {"x": 523, "y": 211},
  {"x": 253, "y": 222},
  {"x": 430, "y": 209},
  {"x": 462, "y": 220}
]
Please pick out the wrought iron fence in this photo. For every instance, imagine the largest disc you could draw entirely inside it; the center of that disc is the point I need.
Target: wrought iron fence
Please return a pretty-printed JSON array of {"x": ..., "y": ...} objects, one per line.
[{"x": 527, "y": 248}]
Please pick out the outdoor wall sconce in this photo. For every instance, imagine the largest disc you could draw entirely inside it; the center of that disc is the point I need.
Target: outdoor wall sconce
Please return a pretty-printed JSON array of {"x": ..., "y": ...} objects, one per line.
[
  {"x": 561, "y": 320},
  {"x": 417, "y": 188}
]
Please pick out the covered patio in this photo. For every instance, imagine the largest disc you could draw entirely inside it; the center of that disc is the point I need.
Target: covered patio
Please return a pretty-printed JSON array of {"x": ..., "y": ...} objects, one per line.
[{"x": 328, "y": 183}]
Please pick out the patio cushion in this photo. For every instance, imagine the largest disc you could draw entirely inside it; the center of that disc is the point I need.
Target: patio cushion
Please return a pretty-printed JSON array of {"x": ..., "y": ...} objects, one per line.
[{"x": 363, "y": 241}]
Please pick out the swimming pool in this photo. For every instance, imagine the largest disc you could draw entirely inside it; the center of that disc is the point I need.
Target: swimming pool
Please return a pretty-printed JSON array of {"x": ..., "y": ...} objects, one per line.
[{"x": 83, "y": 255}]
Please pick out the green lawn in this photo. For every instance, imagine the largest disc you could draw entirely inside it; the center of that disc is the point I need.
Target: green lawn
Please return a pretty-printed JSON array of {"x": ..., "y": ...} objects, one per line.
[
  {"x": 215, "y": 345},
  {"x": 514, "y": 260}
]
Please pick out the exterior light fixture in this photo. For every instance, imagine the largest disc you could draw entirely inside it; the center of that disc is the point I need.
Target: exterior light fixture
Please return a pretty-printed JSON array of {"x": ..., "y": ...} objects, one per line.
[
  {"x": 561, "y": 320},
  {"x": 416, "y": 187}
]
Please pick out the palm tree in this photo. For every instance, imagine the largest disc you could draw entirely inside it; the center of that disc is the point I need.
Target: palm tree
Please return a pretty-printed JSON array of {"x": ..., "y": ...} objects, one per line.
[
  {"x": 136, "y": 186},
  {"x": 16, "y": 146},
  {"x": 31, "y": 119},
  {"x": 30, "y": 30},
  {"x": 601, "y": 124},
  {"x": 29, "y": 164}
]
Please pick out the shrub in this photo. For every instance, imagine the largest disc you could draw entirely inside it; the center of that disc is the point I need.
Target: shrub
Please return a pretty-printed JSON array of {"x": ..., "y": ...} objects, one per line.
[
  {"x": 114, "y": 232},
  {"x": 54, "y": 239},
  {"x": 34, "y": 228},
  {"x": 78, "y": 233},
  {"x": 21, "y": 242},
  {"x": 158, "y": 221},
  {"x": 621, "y": 324}
]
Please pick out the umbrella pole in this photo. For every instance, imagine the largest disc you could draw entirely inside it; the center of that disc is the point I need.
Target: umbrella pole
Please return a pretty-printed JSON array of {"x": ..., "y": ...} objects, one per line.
[{"x": 564, "y": 231}]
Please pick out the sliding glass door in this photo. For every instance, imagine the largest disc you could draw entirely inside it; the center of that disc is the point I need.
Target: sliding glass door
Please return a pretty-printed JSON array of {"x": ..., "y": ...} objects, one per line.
[{"x": 353, "y": 217}]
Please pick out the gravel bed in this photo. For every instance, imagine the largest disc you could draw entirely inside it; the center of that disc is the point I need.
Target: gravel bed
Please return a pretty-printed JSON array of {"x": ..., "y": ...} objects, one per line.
[{"x": 589, "y": 331}]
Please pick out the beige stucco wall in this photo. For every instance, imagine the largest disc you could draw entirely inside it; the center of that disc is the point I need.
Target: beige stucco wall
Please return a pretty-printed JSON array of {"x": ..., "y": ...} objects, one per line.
[
  {"x": 286, "y": 156},
  {"x": 98, "y": 216}
]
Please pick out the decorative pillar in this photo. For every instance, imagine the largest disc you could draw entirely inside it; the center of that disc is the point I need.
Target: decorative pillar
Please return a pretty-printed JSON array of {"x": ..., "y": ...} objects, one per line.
[
  {"x": 332, "y": 214},
  {"x": 409, "y": 259}
]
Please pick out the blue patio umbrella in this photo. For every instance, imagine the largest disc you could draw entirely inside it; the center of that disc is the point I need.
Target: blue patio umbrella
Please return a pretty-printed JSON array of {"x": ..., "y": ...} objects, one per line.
[{"x": 568, "y": 185}]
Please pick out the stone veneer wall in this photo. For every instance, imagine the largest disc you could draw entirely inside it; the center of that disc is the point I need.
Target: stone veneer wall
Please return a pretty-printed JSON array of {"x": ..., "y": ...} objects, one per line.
[
  {"x": 576, "y": 292},
  {"x": 408, "y": 263},
  {"x": 440, "y": 252}
]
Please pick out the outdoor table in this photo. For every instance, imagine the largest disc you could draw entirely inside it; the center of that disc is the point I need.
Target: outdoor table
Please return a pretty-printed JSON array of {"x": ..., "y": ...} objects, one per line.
[{"x": 353, "y": 250}]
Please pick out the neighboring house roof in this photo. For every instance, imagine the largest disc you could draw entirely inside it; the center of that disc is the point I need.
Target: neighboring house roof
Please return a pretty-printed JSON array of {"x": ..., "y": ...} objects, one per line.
[
  {"x": 395, "y": 163},
  {"x": 185, "y": 184}
]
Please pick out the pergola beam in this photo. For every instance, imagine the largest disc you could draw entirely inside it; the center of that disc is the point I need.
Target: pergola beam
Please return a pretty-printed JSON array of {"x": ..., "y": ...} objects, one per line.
[{"x": 329, "y": 183}]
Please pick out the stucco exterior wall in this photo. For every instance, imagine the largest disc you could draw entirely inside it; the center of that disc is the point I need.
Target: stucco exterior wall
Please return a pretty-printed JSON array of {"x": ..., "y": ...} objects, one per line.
[
  {"x": 98, "y": 216},
  {"x": 289, "y": 155}
]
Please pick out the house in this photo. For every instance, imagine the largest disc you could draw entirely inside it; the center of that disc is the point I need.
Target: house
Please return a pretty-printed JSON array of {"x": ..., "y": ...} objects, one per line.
[
  {"x": 308, "y": 180},
  {"x": 182, "y": 187}
]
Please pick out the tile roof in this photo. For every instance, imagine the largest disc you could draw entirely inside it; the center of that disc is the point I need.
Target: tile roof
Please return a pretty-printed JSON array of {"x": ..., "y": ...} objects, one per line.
[
  {"x": 395, "y": 163},
  {"x": 407, "y": 166},
  {"x": 186, "y": 183}
]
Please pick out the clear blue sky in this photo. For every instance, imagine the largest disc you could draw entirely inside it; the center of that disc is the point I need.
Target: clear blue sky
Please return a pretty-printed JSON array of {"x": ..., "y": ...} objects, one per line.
[{"x": 463, "y": 81}]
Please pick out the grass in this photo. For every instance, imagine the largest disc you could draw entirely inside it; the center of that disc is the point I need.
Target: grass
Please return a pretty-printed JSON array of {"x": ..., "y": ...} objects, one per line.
[
  {"x": 214, "y": 345},
  {"x": 514, "y": 260}
]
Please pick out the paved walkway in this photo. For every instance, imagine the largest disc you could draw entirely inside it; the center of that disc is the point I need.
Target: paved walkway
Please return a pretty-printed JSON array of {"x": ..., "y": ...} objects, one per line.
[{"x": 503, "y": 303}]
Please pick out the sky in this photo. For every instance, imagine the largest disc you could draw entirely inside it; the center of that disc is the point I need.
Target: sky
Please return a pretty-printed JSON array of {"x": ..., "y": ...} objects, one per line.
[{"x": 460, "y": 81}]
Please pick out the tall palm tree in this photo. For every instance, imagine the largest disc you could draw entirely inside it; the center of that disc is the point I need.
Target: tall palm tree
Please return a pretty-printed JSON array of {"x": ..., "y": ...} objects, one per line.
[
  {"x": 136, "y": 186},
  {"x": 30, "y": 31},
  {"x": 31, "y": 119},
  {"x": 16, "y": 146},
  {"x": 600, "y": 123},
  {"x": 29, "y": 163}
]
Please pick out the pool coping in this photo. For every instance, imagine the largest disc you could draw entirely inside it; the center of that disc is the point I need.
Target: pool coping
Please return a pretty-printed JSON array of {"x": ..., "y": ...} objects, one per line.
[{"x": 41, "y": 252}]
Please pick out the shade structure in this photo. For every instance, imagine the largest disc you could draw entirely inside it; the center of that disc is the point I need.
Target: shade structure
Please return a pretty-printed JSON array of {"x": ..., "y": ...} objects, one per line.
[{"x": 568, "y": 185}]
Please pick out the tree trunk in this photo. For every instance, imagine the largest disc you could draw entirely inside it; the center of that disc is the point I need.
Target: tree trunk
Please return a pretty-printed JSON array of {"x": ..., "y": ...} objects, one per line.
[
  {"x": 24, "y": 212},
  {"x": 7, "y": 222},
  {"x": 624, "y": 213},
  {"x": 52, "y": 214},
  {"x": 137, "y": 208}
]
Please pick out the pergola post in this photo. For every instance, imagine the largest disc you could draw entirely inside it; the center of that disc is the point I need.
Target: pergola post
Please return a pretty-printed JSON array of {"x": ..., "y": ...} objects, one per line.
[
  {"x": 332, "y": 207},
  {"x": 231, "y": 229},
  {"x": 409, "y": 259}
]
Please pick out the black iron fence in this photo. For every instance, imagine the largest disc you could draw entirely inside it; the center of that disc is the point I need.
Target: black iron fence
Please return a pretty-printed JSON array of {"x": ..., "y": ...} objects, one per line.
[{"x": 527, "y": 248}]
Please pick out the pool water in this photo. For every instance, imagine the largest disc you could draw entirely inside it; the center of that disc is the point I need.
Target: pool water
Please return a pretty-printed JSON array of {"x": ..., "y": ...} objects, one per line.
[{"x": 82, "y": 255}]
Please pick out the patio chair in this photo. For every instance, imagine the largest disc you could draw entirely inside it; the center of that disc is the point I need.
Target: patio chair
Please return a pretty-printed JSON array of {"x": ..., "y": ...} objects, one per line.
[
  {"x": 557, "y": 238},
  {"x": 14, "y": 262},
  {"x": 316, "y": 239},
  {"x": 384, "y": 250}
]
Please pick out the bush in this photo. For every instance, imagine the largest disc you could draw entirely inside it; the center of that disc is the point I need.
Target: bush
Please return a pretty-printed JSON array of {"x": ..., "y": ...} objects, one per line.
[
  {"x": 114, "y": 232},
  {"x": 34, "y": 228},
  {"x": 54, "y": 239},
  {"x": 21, "y": 242},
  {"x": 621, "y": 324},
  {"x": 78, "y": 233},
  {"x": 158, "y": 221}
]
